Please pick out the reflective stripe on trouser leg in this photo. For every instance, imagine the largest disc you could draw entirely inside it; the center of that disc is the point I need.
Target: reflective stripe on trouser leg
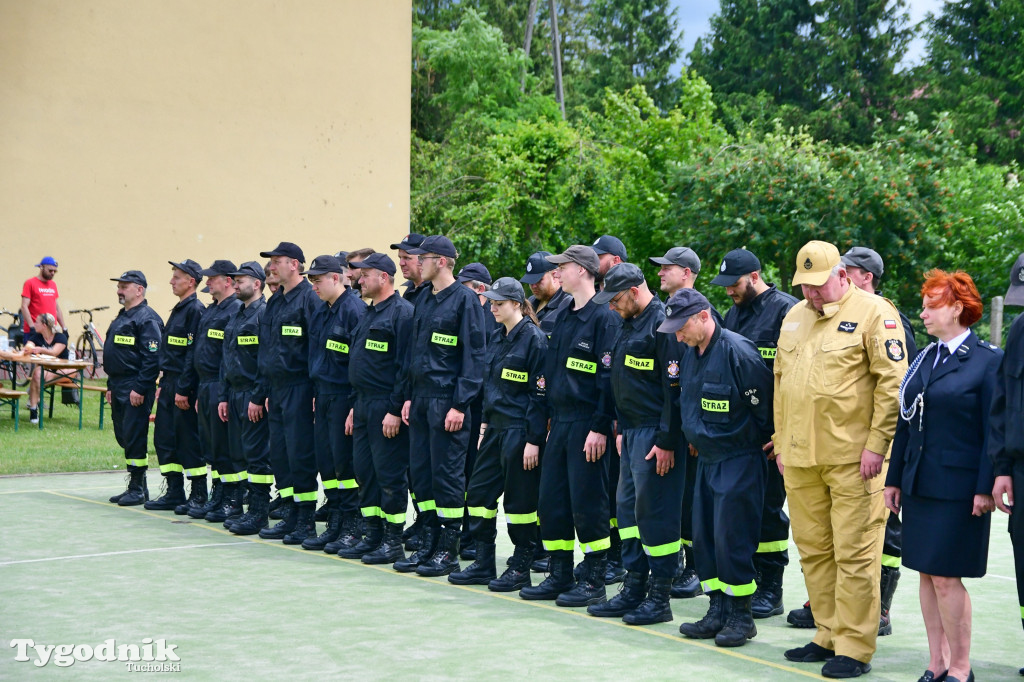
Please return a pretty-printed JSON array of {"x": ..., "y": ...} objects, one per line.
[
  {"x": 213, "y": 433},
  {"x": 253, "y": 438},
  {"x": 728, "y": 500},
  {"x": 339, "y": 450},
  {"x": 892, "y": 544},
  {"x": 773, "y": 543},
  {"x": 659, "y": 501},
  {"x": 381, "y": 464},
  {"x": 633, "y": 557},
  {"x": 294, "y": 406},
  {"x": 420, "y": 474},
  {"x": 521, "y": 488},
  {"x": 131, "y": 424},
  {"x": 573, "y": 491},
  {"x": 485, "y": 487},
  {"x": 447, "y": 462}
]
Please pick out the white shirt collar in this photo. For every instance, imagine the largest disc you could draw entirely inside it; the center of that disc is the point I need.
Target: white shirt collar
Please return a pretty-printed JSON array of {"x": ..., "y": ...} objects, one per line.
[{"x": 954, "y": 343}]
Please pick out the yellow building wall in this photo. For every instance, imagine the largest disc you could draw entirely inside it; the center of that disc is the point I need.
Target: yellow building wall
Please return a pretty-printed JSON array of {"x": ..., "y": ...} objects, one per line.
[{"x": 133, "y": 132}]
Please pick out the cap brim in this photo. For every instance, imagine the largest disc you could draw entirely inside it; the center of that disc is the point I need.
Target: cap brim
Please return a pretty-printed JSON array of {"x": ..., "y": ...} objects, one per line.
[
  {"x": 533, "y": 277},
  {"x": 724, "y": 280},
  {"x": 604, "y": 296},
  {"x": 671, "y": 325},
  {"x": 496, "y": 296},
  {"x": 658, "y": 260},
  {"x": 814, "y": 279},
  {"x": 413, "y": 251},
  {"x": 1014, "y": 295},
  {"x": 558, "y": 259},
  {"x": 314, "y": 273}
]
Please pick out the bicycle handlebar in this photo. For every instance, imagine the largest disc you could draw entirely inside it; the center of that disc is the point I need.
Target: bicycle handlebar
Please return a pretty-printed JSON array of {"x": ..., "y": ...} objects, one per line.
[{"x": 88, "y": 310}]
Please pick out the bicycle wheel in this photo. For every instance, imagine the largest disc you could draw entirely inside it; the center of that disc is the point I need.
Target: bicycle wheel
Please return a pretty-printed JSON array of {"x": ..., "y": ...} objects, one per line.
[
  {"x": 22, "y": 373},
  {"x": 85, "y": 349}
]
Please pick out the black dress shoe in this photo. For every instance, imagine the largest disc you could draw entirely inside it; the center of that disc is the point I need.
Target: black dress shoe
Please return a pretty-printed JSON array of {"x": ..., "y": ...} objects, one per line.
[
  {"x": 970, "y": 677},
  {"x": 929, "y": 676},
  {"x": 809, "y": 653},
  {"x": 843, "y": 667}
]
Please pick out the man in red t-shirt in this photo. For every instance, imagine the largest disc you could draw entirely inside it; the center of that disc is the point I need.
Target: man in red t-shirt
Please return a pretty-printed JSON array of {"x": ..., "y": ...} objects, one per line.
[{"x": 39, "y": 295}]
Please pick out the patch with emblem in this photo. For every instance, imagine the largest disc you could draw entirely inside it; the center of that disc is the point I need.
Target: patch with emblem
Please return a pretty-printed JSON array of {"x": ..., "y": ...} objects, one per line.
[
  {"x": 808, "y": 264},
  {"x": 752, "y": 394},
  {"x": 673, "y": 369},
  {"x": 894, "y": 349},
  {"x": 847, "y": 327},
  {"x": 529, "y": 267},
  {"x": 153, "y": 346},
  {"x": 722, "y": 269},
  {"x": 606, "y": 359},
  {"x": 1020, "y": 275},
  {"x": 583, "y": 344},
  {"x": 541, "y": 384},
  {"x": 890, "y": 324}
]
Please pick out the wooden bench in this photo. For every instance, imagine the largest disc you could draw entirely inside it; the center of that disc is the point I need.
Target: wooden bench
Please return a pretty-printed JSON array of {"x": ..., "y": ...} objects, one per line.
[
  {"x": 12, "y": 398},
  {"x": 65, "y": 382}
]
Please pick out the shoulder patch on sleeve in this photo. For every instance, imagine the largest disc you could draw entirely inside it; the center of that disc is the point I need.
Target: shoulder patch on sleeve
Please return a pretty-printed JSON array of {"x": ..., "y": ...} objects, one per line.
[{"x": 894, "y": 349}]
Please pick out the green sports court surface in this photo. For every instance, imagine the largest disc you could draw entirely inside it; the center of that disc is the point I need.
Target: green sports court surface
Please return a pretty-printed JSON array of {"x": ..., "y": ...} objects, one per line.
[{"x": 77, "y": 570}]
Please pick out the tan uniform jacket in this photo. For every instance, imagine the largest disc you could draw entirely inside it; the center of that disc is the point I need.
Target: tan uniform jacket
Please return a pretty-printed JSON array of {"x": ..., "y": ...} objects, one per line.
[{"x": 837, "y": 378}]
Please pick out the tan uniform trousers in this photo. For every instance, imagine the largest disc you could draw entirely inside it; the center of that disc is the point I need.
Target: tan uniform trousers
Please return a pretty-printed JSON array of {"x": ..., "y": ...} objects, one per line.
[{"x": 838, "y": 524}]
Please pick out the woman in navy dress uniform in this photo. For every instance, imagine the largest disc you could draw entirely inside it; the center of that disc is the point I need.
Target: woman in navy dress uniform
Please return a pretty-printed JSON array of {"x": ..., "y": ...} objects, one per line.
[{"x": 940, "y": 472}]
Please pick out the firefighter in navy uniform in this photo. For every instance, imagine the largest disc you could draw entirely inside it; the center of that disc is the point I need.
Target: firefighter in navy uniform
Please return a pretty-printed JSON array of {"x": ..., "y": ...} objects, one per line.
[
  {"x": 330, "y": 345},
  {"x": 176, "y": 429},
  {"x": 515, "y": 428},
  {"x": 650, "y": 487},
  {"x": 1006, "y": 429},
  {"x": 380, "y": 441},
  {"x": 241, "y": 398},
  {"x": 225, "y": 492},
  {"x": 443, "y": 376},
  {"x": 284, "y": 371},
  {"x": 131, "y": 361},
  {"x": 542, "y": 278},
  {"x": 757, "y": 313},
  {"x": 573, "y": 487},
  {"x": 726, "y": 413}
]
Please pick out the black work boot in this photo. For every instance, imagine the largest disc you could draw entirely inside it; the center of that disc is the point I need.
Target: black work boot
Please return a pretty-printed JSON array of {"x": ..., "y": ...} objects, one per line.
[
  {"x": 174, "y": 493},
  {"x": 285, "y": 525},
  {"x": 138, "y": 491},
  {"x": 632, "y": 592},
  {"x": 323, "y": 512},
  {"x": 712, "y": 622},
  {"x": 686, "y": 584},
  {"x": 767, "y": 599},
  {"x": 115, "y": 498},
  {"x": 256, "y": 519},
  {"x": 482, "y": 571},
  {"x": 616, "y": 572},
  {"x": 411, "y": 536},
  {"x": 349, "y": 536},
  {"x": 390, "y": 548},
  {"x": 801, "y": 617},
  {"x": 277, "y": 510},
  {"x": 739, "y": 623},
  {"x": 369, "y": 542},
  {"x": 445, "y": 558},
  {"x": 230, "y": 504},
  {"x": 517, "y": 575},
  {"x": 540, "y": 559},
  {"x": 887, "y": 586},
  {"x": 656, "y": 607},
  {"x": 590, "y": 589},
  {"x": 467, "y": 546},
  {"x": 215, "y": 500},
  {"x": 196, "y": 497},
  {"x": 427, "y": 542},
  {"x": 558, "y": 581},
  {"x": 330, "y": 534},
  {"x": 305, "y": 526}
]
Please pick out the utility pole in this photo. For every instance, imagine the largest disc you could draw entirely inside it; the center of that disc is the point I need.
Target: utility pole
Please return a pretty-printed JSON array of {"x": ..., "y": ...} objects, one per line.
[
  {"x": 556, "y": 48},
  {"x": 530, "y": 18}
]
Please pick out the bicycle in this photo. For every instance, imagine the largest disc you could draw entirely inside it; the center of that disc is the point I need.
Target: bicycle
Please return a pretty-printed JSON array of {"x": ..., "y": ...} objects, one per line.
[
  {"x": 17, "y": 373},
  {"x": 89, "y": 346}
]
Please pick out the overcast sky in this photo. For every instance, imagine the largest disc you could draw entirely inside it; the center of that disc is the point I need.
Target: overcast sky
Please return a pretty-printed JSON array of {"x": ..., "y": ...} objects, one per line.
[{"x": 694, "y": 20}]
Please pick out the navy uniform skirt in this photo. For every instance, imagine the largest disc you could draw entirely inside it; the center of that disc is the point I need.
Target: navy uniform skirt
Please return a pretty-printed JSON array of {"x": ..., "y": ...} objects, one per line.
[{"x": 941, "y": 537}]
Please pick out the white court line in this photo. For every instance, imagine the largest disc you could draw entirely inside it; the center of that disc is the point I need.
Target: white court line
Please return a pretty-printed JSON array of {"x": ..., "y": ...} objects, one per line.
[
  {"x": 127, "y": 551},
  {"x": 1001, "y": 577}
]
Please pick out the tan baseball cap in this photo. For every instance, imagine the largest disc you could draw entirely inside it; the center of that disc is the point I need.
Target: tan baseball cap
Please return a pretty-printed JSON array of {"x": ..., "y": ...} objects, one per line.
[{"x": 814, "y": 263}]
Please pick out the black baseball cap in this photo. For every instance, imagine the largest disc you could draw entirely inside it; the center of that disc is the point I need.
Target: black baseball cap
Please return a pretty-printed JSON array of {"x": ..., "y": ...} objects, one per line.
[
  {"x": 437, "y": 244},
  {"x": 536, "y": 265},
  {"x": 133, "y": 276},
  {"x": 864, "y": 258},
  {"x": 376, "y": 261},
  {"x": 219, "y": 267},
  {"x": 250, "y": 268},
  {"x": 579, "y": 254},
  {"x": 1015, "y": 294},
  {"x": 609, "y": 244},
  {"x": 409, "y": 242},
  {"x": 619, "y": 278},
  {"x": 191, "y": 268},
  {"x": 506, "y": 289},
  {"x": 736, "y": 264},
  {"x": 286, "y": 249},
  {"x": 683, "y": 256},
  {"x": 680, "y": 307},
  {"x": 474, "y": 272},
  {"x": 324, "y": 264}
]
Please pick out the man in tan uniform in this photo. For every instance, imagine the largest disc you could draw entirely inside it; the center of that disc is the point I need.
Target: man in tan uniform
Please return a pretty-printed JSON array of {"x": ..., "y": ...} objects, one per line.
[{"x": 837, "y": 373}]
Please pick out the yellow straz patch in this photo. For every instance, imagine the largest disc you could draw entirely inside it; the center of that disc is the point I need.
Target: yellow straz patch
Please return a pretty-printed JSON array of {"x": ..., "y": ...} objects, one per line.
[
  {"x": 709, "y": 405},
  {"x": 639, "y": 363},
  {"x": 581, "y": 365}
]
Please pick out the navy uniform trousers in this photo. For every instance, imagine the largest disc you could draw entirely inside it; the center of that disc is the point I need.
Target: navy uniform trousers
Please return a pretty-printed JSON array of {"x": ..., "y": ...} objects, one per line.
[
  {"x": 176, "y": 433},
  {"x": 381, "y": 464},
  {"x": 499, "y": 469},
  {"x": 131, "y": 424},
  {"x": 334, "y": 450}
]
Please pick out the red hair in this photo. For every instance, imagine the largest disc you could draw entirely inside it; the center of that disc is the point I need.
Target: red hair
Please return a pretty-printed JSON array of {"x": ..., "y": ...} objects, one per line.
[{"x": 949, "y": 287}]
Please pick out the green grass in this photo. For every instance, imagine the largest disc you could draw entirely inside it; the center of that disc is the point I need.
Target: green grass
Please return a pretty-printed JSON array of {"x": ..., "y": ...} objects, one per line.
[{"x": 60, "y": 447}]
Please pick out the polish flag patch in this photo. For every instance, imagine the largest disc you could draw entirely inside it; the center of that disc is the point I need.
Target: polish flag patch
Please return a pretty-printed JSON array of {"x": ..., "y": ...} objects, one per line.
[{"x": 890, "y": 324}]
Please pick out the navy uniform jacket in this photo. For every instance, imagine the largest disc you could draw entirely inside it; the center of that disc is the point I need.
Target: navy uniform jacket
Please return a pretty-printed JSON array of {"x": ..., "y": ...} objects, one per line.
[
  {"x": 943, "y": 456},
  {"x": 726, "y": 398},
  {"x": 239, "y": 369},
  {"x": 546, "y": 315},
  {"x": 760, "y": 320},
  {"x": 413, "y": 292},
  {"x": 1006, "y": 426},
  {"x": 284, "y": 336},
  {"x": 514, "y": 388},
  {"x": 379, "y": 349},
  {"x": 179, "y": 336},
  {"x": 579, "y": 364},
  {"x": 208, "y": 346},
  {"x": 447, "y": 352},
  {"x": 131, "y": 350},
  {"x": 639, "y": 363},
  {"x": 330, "y": 339}
]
